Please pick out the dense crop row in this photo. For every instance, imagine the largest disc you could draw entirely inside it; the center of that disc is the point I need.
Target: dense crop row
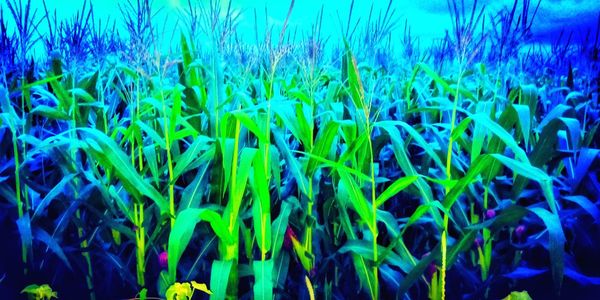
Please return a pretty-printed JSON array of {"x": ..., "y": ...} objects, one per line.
[{"x": 288, "y": 176}]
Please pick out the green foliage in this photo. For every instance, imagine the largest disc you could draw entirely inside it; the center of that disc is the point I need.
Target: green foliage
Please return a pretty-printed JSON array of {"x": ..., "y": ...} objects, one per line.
[
  {"x": 39, "y": 292},
  {"x": 185, "y": 290},
  {"x": 286, "y": 180}
]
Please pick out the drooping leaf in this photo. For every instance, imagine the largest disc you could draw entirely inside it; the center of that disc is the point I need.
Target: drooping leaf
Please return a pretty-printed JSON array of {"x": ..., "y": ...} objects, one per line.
[
  {"x": 557, "y": 240},
  {"x": 52, "y": 194},
  {"x": 394, "y": 189},
  {"x": 110, "y": 156},
  {"x": 201, "y": 287},
  {"x": 587, "y": 205},
  {"x": 182, "y": 231},
  {"x": 524, "y": 272},
  {"x": 52, "y": 244}
]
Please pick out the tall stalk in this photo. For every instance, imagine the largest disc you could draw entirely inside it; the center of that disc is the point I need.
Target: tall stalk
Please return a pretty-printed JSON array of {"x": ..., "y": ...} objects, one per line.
[
  {"x": 18, "y": 194},
  {"x": 84, "y": 242},
  {"x": 231, "y": 250},
  {"x": 374, "y": 230},
  {"x": 140, "y": 242},
  {"x": 169, "y": 157},
  {"x": 444, "y": 238}
]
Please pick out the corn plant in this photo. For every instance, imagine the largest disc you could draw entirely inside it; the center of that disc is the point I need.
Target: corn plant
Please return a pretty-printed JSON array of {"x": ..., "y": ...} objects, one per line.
[{"x": 228, "y": 169}]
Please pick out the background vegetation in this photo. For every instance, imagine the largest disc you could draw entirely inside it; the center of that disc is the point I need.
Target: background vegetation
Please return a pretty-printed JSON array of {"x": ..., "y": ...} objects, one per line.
[{"x": 299, "y": 165}]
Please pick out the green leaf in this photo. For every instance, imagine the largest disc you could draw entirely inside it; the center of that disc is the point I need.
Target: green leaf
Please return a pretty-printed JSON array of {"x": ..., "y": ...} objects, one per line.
[
  {"x": 82, "y": 94},
  {"x": 524, "y": 121},
  {"x": 201, "y": 287},
  {"x": 50, "y": 113},
  {"x": 219, "y": 276},
  {"x": 354, "y": 83},
  {"x": 323, "y": 145},
  {"x": 365, "y": 250},
  {"x": 151, "y": 158},
  {"x": 280, "y": 269},
  {"x": 529, "y": 97},
  {"x": 584, "y": 160},
  {"x": 522, "y": 168},
  {"x": 509, "y": 216},
  {"x": 501, "y": 133},
  {"x": 338, "y": 166},
  {"x": 528, "y": 171},
  {"x": 556, "y": 244},
  {"x": 306, "y": 259},
  {"x": 110, "y": 156},
  {"x": 250, "y": 124},
  {"x": 186, "y": 52},
  {"x": 263, "y": 274},
  {"x": 238, "y": 186},
  {"x": 479, "y": 132},
  {"x": 351, "y": 192},
  {"x": 184, "y": 228},
  {"x": 398, "y": 185},
  {"x": 40, "y": 292},
  {"x": 191, "y": 196},
  {"x": 41, "y": 82},
  {"x": 587, "y": 205},
  {"x": 191, "y": 154},
  {"x": 261, "y": 209},
  {"x": 421, "y": 210},
  {"x": 52, "y": 194},
  {"x": 405, "y": 164},
  {"x": 462, "y": 245},
  {"x": 175, "y": 111},
  {"x": 293, "y": 120},
  {"x": 291, "y": 162},
  {"x": 280, "y": 224},
  {"x": 179, "y": 291},
  {"x": 52, "y": 244},
  {"x": 518, "y": 296},
  {"x": 152, "y": 134},
  {"x": 418, "y": 139},
  {"x": 443, "y": 83}
]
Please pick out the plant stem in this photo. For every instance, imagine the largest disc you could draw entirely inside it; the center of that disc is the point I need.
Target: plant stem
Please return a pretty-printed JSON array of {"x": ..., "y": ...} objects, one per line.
[
  {"x": 140, "y": 240},
  {"x": 444, "y": 237},
  {"x": 137, "y": 117},
  {"x": 487, "y": 242},
  {"x": 231, "y": 252},
  {"x": 84, "y": 242},
  {"x": 373, "y": 226},
  {"x": 169, "y": 161},
  {"x": 19, "y": 201},
  {"x": 24, "y": 200}
]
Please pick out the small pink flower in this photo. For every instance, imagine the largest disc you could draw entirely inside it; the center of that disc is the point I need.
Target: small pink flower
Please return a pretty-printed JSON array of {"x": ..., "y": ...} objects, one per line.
[
  {"x": 163, "y": 259},
  {"x": 490, "y": 213},
  {"x": 519, "y": 231}
]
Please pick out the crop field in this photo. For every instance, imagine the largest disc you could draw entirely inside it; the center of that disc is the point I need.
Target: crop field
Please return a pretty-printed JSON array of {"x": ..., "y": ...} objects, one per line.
[{"x": 296, "y": 166}]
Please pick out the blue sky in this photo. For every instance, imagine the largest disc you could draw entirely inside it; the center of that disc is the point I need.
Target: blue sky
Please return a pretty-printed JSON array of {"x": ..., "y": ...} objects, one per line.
[{"x": 428, "y": 19}]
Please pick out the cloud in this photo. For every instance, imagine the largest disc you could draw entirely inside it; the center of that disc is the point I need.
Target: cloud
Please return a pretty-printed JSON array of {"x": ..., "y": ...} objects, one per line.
[{"x": 577, "y": 16}]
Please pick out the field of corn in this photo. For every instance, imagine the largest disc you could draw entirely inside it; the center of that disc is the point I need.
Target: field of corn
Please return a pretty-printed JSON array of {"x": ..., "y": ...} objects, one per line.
[{"x": 362, "y": 166}]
